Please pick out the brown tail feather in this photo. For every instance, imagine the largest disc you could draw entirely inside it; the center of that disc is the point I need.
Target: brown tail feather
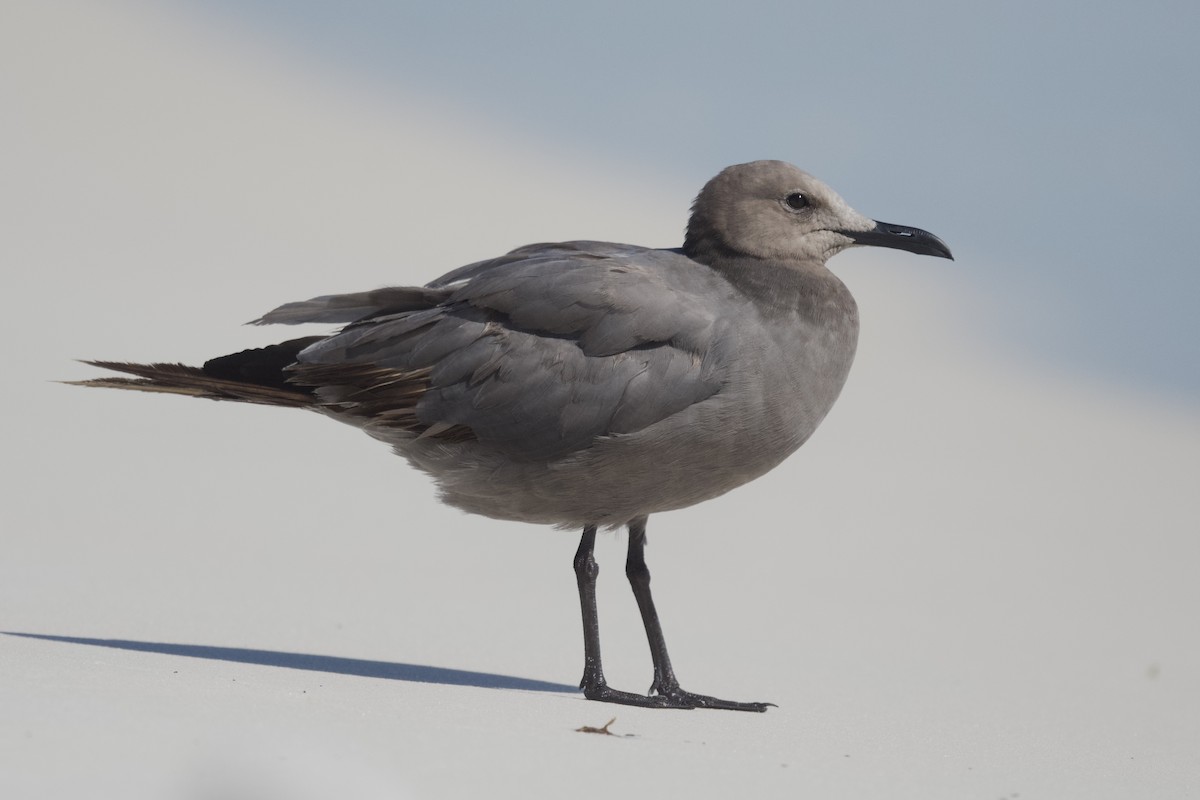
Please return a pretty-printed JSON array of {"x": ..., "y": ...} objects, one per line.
[{"x": 194, "y": 382}]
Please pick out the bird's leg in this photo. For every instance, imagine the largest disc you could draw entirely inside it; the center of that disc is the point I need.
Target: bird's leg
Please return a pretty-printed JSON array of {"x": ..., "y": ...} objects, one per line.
[
  {"x": 593, "y": 684},
  {"x": 639, "y": 578},
  {"x": 586, "y": 570},
  {"x": 665, "y": 685}
]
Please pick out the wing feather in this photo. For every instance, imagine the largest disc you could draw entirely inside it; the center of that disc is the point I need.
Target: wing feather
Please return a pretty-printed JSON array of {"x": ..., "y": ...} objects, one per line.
[{"x": 538, "y": 353}]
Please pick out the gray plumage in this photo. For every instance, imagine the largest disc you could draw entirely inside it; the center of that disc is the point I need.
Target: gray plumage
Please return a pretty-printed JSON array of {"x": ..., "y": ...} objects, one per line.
[{"x": 589, "y": 383}]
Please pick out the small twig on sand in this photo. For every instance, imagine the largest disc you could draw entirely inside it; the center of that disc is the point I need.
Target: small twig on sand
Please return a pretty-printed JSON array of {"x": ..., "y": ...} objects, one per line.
[{"x": 603, "y": 731}]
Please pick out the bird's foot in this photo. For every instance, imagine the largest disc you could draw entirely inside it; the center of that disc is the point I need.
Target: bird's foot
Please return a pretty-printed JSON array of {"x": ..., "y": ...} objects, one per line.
[
  {"x": 667, "y": 697},
  {"x": 604, "y": 693},
  {"x": 677, "y": 697}
]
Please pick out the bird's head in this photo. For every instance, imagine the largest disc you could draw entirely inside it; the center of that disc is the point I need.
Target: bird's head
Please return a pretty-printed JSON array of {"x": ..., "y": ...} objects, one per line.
[{"x": 772, "y": 210}]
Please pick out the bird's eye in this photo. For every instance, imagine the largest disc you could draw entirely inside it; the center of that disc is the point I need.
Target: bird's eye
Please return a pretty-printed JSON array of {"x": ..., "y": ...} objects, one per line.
[{"x": 796, "y": 201}]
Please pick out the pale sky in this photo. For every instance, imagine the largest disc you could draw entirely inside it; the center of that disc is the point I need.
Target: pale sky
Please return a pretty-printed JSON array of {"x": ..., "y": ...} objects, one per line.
[{"x": 1052, "y": 144}]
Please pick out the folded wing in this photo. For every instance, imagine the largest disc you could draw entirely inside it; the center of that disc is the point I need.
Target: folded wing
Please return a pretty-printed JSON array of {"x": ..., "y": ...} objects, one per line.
[{"x": 537, "y": 353}]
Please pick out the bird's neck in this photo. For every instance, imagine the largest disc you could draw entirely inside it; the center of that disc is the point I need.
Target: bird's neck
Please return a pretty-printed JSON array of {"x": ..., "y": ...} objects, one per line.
[{"x": 785, "y": 288}]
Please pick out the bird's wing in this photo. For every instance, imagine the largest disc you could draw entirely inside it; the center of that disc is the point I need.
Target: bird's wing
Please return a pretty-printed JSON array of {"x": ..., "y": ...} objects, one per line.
[
  {"x": 341, "y": 308},
  {"x": 536, "y": 353}
]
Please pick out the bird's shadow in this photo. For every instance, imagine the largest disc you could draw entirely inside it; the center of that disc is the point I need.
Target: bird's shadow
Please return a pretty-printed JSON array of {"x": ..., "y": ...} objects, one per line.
[{"x": 388, "y": 670}]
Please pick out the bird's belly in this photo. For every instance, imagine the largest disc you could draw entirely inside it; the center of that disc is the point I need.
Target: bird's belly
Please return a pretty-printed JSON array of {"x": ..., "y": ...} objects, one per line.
[{"x": 695, "y": 455}]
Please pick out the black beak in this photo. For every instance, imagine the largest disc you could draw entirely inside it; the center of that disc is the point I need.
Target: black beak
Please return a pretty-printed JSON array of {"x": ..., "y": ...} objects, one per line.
[{"x": 901, "y": 237}]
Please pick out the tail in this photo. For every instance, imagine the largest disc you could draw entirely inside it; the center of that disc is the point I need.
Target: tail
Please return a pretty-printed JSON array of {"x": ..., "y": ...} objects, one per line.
[{"x": 251, "y": 376}]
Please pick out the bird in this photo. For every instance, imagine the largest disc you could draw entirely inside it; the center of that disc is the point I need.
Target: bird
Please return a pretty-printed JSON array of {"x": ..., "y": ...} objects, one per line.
[{"x": 587, "y": 384}]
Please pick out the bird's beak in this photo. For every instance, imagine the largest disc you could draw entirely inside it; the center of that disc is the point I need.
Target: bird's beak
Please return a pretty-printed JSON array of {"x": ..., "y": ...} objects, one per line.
[{"x": 901, "y": 237}]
